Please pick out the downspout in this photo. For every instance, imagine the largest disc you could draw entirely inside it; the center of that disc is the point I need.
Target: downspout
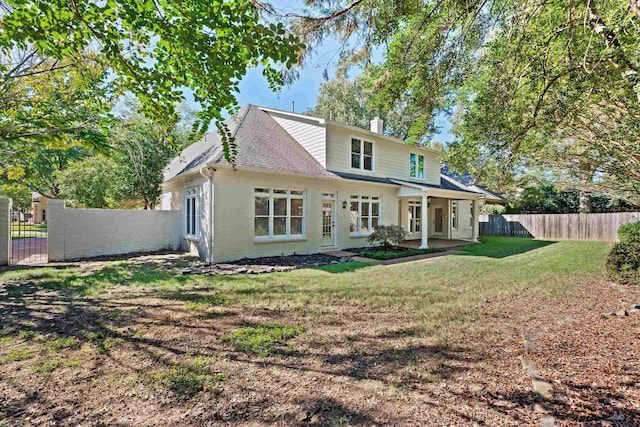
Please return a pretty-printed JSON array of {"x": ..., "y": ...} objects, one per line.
[{"x": 207, "y": 172}]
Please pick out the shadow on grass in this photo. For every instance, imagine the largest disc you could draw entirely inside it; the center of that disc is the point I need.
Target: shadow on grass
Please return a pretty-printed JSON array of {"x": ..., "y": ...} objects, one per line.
[{"x": 503, "y": 247}]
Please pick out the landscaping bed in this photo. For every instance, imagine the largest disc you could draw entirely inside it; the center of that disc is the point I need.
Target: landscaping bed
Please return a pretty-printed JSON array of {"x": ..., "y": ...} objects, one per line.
[
  {"x": 273, "y": 264},
  {"x": 385, "y": 253}
]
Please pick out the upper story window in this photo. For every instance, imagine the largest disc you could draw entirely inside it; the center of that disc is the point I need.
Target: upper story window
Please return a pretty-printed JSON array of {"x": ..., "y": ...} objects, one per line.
[
  {"x": 192, "y": 200},
  {"x": 416, "y": 166},
  {"x": 361, "y": 154},
  {"x": 279, "y": 214}
]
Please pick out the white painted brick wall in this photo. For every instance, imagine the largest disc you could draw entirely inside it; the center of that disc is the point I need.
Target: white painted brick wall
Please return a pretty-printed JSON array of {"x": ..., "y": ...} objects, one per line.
[
  {"x": 83, "y": 233},
  {"x": 5, "y": 231}
]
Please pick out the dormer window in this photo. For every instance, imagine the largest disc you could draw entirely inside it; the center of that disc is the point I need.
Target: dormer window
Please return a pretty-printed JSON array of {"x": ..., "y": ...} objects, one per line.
[
  {"x": 416, "y": 166},
  {"x": 361, "y": 154}
]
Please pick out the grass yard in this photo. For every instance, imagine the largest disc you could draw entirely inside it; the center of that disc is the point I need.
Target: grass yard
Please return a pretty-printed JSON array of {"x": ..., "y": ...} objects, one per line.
[
  {"x": 449, "y": 341},
  {"x": 390, "y": 253},
  {"x": 28, "y": 227}
]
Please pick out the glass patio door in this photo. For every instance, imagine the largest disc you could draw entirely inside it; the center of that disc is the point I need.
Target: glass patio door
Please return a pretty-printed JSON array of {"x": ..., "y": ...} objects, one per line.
[
  {"x": 328, "y": 223},
  {"x": 438, "y": 220}
]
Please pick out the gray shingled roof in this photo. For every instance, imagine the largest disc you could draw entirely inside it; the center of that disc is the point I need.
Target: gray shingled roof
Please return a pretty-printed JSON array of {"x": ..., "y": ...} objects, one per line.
[
  {"x": 444, "y": 184},
  {"x": 261, "y": 143}
]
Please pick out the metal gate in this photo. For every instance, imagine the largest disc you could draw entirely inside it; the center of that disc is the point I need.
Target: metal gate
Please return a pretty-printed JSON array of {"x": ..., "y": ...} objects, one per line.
[{"x": 29, "y": 235}]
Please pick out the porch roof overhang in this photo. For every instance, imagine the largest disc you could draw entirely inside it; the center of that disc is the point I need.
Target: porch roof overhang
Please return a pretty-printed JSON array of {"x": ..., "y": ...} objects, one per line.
[{"x": 411, "y": 189}]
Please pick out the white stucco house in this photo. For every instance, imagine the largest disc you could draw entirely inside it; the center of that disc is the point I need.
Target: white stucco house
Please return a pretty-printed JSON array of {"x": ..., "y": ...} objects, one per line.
[{"x": 304, "y": 185}]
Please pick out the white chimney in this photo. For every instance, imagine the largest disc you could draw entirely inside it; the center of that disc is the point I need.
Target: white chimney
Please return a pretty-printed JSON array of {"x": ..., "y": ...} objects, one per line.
[{"x": 377, "y": 125}]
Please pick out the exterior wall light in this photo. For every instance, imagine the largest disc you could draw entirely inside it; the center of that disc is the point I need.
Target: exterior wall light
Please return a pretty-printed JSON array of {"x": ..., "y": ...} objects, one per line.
[{"x": 344, "y": 204}]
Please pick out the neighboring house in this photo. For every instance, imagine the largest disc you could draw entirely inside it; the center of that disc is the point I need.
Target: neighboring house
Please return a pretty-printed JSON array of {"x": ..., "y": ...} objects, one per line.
[
  {"x": 39, "y": 207},
  {"x": 304, "y": 184}
]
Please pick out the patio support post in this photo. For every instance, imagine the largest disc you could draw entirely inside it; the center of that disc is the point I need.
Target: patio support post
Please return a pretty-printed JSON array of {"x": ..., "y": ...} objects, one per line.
[
  {"x": 424, "y": 222},
  {"x": 475, "y": 206},
  {"x": 5, "y": 231}
]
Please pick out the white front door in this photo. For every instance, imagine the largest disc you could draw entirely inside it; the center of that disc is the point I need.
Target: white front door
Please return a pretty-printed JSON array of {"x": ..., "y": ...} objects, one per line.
[{"x": 328, "y": 223}]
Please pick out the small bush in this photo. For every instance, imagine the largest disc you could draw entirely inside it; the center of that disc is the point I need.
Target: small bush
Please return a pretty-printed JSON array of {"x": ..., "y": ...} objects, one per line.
[
  {"x": 388, "y": 235},
  {"x": 261, "y": 340},
  {"x": 629, "y": 232},
  {"x": 623, "y": 263}
]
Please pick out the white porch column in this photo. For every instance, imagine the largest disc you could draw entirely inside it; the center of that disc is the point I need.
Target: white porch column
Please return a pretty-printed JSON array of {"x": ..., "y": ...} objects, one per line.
[
  {"x": 475, "y": 206},
  {"x": 424, "y": 222}
]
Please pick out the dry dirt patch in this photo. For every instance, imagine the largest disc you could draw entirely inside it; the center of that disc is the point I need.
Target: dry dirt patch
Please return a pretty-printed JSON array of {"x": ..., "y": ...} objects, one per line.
[{"x": 146, "y": 355}]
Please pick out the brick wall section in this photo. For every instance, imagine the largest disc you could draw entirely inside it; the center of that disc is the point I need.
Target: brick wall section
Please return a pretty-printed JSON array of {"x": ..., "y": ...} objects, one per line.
[
  {"x": 85, "y": 233},
  {"x": 5, "y": 231}
]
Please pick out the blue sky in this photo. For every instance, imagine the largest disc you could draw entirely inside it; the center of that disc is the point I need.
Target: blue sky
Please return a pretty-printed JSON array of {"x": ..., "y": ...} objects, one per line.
[{"x": 255, "y": 90}]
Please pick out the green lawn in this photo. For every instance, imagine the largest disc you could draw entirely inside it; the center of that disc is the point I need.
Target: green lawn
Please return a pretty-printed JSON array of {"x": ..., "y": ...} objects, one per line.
[
  {"x": 383, "y": 254},
  {"x": 28, "y": 227},
  {"x": 442, "y": 293},
  {"x": 342, "y": 344}
]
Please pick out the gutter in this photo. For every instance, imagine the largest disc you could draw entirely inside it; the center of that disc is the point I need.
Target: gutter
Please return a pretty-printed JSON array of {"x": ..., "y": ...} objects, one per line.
[{"x": 207, "y": 172}]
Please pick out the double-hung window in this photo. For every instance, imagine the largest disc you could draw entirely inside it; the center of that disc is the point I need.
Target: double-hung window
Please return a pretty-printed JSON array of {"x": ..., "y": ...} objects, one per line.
[
  {"x": 416, "y": 166},
  {"x": 279, "y": 214},
  {"x": 192, "y": 202},
  {"x": 364, "y": 214},
  {"x": 361, "y": 154}
]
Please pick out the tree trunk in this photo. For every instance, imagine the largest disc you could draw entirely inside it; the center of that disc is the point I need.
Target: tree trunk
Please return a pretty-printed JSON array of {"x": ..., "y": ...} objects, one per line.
[{"x": 586, "y": 205}]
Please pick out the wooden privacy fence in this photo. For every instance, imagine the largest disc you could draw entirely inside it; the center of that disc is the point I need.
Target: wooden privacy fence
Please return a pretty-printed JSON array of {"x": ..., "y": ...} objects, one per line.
[{"x": 596, "y": 226}]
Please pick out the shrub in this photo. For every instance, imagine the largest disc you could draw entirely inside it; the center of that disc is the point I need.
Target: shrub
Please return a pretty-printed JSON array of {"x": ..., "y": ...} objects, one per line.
[
  {"x": 492, "y": 209},
  {"x": 388, "y": 235},
  {"x": 623, "y": 263},
  {"x": 629, "y": 232}
]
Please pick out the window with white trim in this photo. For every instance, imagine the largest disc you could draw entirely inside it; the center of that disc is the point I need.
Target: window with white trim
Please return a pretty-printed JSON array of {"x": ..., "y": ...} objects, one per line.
[
  {"x": 416, "y": 166},
  {"x": 279, "y": 214},
  {"x": 192, "y": 214},
  {"x": 361, "y": 154},
  {"x": 364, "y": 213}
]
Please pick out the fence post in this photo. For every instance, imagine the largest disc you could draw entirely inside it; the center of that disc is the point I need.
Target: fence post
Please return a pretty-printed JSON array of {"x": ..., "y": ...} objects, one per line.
[
  {"x": 56, "y": 229},
  {"x": 5, "y": 231}
]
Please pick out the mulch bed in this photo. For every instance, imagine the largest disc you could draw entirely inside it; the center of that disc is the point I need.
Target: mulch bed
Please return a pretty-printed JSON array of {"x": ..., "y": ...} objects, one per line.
[{"x": 264, "y": 265}]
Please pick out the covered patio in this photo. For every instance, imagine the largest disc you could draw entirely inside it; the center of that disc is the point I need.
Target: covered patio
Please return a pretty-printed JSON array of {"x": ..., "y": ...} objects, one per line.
[{"x": 444, "y": 216}]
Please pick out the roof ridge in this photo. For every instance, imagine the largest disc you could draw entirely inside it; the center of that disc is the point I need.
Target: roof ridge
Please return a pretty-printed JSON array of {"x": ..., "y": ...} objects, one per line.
[{"x": 219, "y": 149}]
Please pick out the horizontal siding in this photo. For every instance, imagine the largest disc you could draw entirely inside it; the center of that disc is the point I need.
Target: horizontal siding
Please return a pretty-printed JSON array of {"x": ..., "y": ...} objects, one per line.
[
  {"x": 390, "y": 159},
  {"x": 308, "y": 134}
]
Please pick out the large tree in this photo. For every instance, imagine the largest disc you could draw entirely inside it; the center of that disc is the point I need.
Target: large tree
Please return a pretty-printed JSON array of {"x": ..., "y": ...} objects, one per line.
[
  {"x": 354, "y": 102},
  {"x": 535, "y": 84},
  {"x": 155, "y": 49},
  {"x": 49, "y": 111},
  {"x": 142, "y": 151}
]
